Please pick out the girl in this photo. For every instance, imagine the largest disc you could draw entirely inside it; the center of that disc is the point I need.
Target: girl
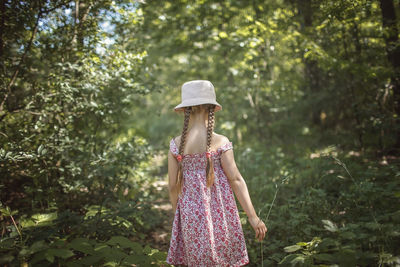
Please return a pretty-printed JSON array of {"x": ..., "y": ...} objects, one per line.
[{"x": 206, "y": 230}]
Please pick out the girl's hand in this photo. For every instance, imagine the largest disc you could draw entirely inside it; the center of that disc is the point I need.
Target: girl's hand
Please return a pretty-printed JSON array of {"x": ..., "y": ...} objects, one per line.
[{"x": 259, "y": 227}]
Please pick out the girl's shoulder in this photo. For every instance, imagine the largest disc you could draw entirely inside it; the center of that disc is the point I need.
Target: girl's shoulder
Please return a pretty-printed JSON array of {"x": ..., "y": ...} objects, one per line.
[
  {"x": 219, "y": 143},
  {"x": 218, "y": 140}
]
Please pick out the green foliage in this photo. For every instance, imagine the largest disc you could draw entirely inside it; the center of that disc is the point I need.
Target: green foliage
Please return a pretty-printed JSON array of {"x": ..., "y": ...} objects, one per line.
[
  {"x": 72, "y": 168},
  {"x": 308, "y": 90},
  {"x": 349, "y": 215},
  {"x": 117, "y": 251}
]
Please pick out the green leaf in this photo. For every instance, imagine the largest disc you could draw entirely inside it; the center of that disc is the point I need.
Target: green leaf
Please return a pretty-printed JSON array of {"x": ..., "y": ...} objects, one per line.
[
  {"x": 326, "y": 244},
  {"x": 292, "y": 248},
  {"x": 223, "y": 35},
  {"x": 100, "y": 246},
  {"x": 111, "y": 264},
  {"x": 39, "y": 150},
  {"x": 94, "y": 104},
  {"x": 147, "y": 249},
  {"x": 132, "y": 259},
  {"x": 60, "y": 252},
  {"x": 6, "y": 258},
  {"x": 49, "y": 257},
  {"x": 7, "y": 211},
  {"x": 6, "y": 243},
  {"x": 38, "y": 246},
  {"x": 123, "y": 242},
  {"x": 74, "y": 263},
  {"x": 372, "y": 225},
  {"x": 110, "y": 254},
  {"x": 91, "y": 260},
  {"x": 324, "y": 257},
  {"x": 27, "y": 222},
  {"x": 37, "y": 257},
  {"x": 115, "y": 255},
  {"x": 298, "y": 259},
  {"x": 161, "y": 256},
  {"x": 329, "y": 225},
  {"x": 137, "y": 259},
  {"x": 347, "y": 235},
  {"x": 44, "y": 219},
  {"x": 82, "y": 245},
  {"x": 288, "y": 258}
]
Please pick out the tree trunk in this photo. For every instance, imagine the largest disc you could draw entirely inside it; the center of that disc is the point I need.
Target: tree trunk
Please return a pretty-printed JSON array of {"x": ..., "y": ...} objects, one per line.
[
  {"x": 76, "y": 21},
  {"x": 85, "y": 9},
  {"x": 389, "y": 22},
  {"x": 312, "y": 72},
  {"x": 352, "y": 86},
  {"x": 3, "y": 19}
]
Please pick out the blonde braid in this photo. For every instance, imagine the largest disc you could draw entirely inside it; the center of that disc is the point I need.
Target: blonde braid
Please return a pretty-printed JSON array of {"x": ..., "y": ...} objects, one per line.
[
  {"x": 179, "y": 180},
  {"x": 210, "y": 165}
]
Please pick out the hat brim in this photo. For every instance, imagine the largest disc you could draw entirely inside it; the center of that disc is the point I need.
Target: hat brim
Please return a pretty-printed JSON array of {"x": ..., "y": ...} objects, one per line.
[{"x": 197, "y": 102}]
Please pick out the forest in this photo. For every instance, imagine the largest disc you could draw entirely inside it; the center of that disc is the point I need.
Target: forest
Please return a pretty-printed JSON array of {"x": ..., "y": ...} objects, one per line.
[{"x": 310, "y": 91}]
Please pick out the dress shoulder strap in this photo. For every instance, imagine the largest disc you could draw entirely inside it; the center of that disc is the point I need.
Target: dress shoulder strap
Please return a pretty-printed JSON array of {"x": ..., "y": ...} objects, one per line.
[
  {"x": 173, "y": 148},
  {"x": 225, "y": 147}
]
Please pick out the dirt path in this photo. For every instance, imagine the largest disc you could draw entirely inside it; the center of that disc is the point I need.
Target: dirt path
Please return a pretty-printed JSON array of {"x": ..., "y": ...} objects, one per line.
[{"x": 161, "y": 235}]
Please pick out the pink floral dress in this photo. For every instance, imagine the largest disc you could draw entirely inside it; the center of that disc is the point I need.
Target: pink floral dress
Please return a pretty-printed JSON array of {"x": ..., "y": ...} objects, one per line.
[{"x": 206, "y": 230}]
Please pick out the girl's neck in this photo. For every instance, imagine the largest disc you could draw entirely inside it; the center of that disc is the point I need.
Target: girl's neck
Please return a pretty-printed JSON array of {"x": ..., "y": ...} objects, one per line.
[{"x": 198, "y": 120}]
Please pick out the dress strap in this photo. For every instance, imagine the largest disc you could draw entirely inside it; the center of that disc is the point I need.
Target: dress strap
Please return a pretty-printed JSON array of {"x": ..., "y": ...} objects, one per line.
[
  {"x": 173, "y": 148},
  {"x": 225, "y": 147}
]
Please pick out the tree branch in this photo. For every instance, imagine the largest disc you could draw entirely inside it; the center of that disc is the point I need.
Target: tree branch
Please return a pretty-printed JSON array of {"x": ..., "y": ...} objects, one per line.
[
  {"x": 15, "y": 74},
  {"x": 27, "y": 48}
]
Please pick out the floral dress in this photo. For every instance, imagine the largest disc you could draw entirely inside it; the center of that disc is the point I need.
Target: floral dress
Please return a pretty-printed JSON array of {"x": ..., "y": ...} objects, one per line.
[{"x": 206, "y": 230}]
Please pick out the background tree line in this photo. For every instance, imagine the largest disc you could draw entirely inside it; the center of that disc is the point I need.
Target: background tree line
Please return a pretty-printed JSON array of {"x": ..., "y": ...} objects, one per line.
[{"x": 311, "y": 102}]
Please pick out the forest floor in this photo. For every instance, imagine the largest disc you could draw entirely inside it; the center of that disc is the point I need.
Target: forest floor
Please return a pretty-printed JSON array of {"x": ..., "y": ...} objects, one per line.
[{"x": 160, "y": 237}]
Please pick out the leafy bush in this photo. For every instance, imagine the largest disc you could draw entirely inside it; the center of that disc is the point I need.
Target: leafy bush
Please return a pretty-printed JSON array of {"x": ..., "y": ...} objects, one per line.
[{"x": 332, "y": 212}]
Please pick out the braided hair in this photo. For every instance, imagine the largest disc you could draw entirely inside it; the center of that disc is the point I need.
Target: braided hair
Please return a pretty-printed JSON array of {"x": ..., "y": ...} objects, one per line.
[
  {"x": 210, "y": 129},
  {"x": 210, "y": 165},
  {"x": 179, "y": 180}
]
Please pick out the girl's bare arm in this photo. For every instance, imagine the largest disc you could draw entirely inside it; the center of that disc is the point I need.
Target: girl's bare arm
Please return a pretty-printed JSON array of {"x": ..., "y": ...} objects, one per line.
[
  {"x": 239, "y": 187},
  {"x": 237, "y": 182},
  {"x": 172, "y": 176}
]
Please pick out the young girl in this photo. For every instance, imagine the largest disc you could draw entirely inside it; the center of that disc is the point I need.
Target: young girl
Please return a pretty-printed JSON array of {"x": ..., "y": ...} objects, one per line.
[{"x": 202, "y": 173}]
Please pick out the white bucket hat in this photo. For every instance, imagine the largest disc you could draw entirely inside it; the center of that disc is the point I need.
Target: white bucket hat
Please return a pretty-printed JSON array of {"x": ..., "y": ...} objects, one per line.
[{"x": 198, "y": 92}]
